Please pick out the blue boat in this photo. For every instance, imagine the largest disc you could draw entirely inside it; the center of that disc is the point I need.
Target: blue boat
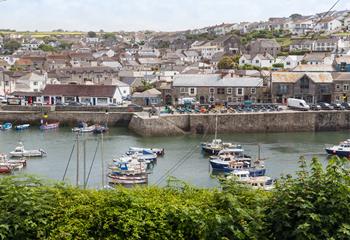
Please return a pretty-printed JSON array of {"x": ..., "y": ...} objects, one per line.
[
  {"x": 100, "y": 129},
  {"x": 6, "y": 126},
  {"x": 22, "y": 127},
  {"x": 341, "y": 150}
]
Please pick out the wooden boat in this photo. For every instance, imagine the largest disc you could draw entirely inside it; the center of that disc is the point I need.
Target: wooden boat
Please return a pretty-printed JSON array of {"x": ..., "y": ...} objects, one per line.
[
  {"x": 20, "y": 151},
  {"x": 6, "y": 126},
  {"x": 22, "y": 127},
  {"x": 48, "y": 126}
]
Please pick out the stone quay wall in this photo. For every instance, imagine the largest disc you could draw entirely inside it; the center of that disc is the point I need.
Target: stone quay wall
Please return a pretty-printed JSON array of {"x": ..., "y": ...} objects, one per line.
[
  {"x": 288, "y": 121},
  {"x": 180, "y": 124}
]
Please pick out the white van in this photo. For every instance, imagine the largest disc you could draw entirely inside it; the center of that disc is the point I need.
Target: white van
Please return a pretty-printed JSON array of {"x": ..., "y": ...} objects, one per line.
[{"x": 297, "y": 104}]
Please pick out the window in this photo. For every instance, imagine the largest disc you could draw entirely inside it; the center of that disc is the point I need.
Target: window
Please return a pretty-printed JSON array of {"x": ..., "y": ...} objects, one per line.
[
  {"x": 211, "y": 90},
  {"x": 229, "y": 99},
  {"x": 7, "y": 83},
  {"x": 346, "y": 87},
  {"x": 35, "y": 83},
  {"x": 229, "y": 91},
  {"x": 234, "y": 99},
  {"x": 256, "y": 61},
  {"x": 192, "y": 91},
  {"x": 243, "y": 61},
  {"x": 183, "y": 90},
  {"x": 221, "y": 90},
  {"x": 253, "y": 90},
  {"x": 239, "y": 99},
  {"x": 288, "y": 63},
  {"x": 239, "y": 92},
  {"x": 337, "y": 87},
  {"x": 337, "y": 98},
  {"x": 304, "y": 83}
]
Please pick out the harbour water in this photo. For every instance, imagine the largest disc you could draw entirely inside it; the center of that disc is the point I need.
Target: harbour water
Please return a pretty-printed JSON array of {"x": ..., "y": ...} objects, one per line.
[{"x": 183, "y": 158}]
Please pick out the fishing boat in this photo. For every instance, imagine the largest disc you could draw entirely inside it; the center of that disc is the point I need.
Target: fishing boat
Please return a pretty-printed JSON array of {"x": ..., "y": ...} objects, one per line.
[
  {"x": 158, "y": 151},
  {"x": 100, "y": 129},
  {"x": 341, "y": 150},
  {"x": 228, "y": 163},
  {"x": 11, "y": 164},
  {"x": 145, "y": 155},
  {"x": 20, "y": 151},
  {"x": 84, "y": 128},
  {"x": 260, "y": 182},
  {"x": 216, "y": 145},
  {"x": 6, "y": 126},
  {"x": 49, "y": 126},
  {"x": 128, "y": 171},
  {"x": 22, "y": 127}
]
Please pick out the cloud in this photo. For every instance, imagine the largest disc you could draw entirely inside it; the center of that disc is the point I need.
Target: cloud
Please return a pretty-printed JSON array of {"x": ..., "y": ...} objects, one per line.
[{"x": 166, "y": 15}]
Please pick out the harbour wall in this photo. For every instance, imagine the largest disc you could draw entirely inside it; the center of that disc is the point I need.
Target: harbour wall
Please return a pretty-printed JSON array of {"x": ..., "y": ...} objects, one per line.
[
  {"x": 67, "y": 118},
  {"x": 180, "y": 124},
  {"x": 288, "y": 121}
]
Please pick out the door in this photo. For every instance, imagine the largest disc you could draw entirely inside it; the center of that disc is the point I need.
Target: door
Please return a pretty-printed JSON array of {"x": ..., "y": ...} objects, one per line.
[{"x": 202, "y": 100}]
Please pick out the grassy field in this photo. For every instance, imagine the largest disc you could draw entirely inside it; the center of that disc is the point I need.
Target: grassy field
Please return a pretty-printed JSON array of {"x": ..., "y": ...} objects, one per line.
[{"x": 42, "y": 34}]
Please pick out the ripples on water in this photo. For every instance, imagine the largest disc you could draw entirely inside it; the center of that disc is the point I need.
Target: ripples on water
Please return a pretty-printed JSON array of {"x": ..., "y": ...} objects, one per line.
[{"x": 281, "y": 150}]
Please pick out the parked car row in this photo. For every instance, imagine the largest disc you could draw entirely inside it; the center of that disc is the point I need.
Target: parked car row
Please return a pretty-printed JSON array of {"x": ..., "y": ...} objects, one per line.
[{"x": 330, "y": 106}]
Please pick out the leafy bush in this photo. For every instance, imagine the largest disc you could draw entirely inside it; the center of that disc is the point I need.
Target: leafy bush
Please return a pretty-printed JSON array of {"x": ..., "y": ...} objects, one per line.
[{"x": 314, "y": 205}]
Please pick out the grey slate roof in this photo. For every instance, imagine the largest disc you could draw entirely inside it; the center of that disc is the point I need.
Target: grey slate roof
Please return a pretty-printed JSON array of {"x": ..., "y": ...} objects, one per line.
[{"x": 215, "y": 80}]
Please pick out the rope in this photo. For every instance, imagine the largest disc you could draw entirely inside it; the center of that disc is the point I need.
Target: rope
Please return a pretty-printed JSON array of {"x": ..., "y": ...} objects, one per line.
[
  {"x": 69, "y": 160},
  {"x": 92, "y": 164}
]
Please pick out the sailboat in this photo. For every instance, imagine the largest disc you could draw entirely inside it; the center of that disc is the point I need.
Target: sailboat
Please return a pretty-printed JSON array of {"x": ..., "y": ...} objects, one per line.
[{"x": 216, "y": 145}]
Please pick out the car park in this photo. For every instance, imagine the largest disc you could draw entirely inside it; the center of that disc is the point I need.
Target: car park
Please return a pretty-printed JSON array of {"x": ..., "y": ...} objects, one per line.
[
  {"x": 337, "y": 106},
  {"x": 326, "y": 106}
]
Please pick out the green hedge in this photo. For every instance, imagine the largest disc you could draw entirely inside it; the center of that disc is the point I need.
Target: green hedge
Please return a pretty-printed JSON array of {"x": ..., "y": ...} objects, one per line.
[{"x": 314, "y": 205}]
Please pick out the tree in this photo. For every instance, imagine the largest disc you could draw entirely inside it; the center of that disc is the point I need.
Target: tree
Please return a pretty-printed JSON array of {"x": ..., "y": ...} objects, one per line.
[
  {"x": 295, "y": 16},
  {"x": 47, "y": 48},
  {"x": 278, "y": 65},
  {"x": 12, "y": 46},
  {"x": 226, "y": 63},
  {"x": 109, "y": 36},
  {"x": 91, "y": 34}
]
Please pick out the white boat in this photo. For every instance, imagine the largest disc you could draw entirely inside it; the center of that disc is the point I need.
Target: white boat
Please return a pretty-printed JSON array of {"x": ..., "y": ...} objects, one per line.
[
  {"x": 20, "y": 151},
  {"x": 11, "y": 164},
  {"x": 158, "y": 151},
  {"x": 84, "y": 128},
  {"x": 243, "y": 176}
]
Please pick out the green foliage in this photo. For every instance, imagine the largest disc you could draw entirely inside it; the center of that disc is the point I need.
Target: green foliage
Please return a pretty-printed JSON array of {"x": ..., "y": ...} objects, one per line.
[
  {"x": 12, "y": 45},
  {"x": 91, "y": 34},
  {"x": 110, "y": 36},
  {"x": 201, "y": 37},
  {"x": 226, "y": 63},
  {"x": 249, "y": 67},
  {"x": 313, "y": 205},
  {"x": 47, "y": 48},
  {"x": 278, "y": 65}
]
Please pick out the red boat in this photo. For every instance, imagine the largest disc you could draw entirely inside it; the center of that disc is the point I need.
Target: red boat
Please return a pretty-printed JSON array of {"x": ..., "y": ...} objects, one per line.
[{"x": 5, "y": 169}]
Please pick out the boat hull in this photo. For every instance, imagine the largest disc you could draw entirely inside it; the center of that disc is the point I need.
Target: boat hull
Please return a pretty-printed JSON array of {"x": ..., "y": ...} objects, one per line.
[
  {"x": 49, "y": 126},
  {"x": 22, "y": 127},
  {"x": 338, "y": 153}
]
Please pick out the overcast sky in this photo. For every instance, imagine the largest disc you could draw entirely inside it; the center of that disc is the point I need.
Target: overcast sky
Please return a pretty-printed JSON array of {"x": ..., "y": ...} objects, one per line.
[{"x": 132, "y": 15}]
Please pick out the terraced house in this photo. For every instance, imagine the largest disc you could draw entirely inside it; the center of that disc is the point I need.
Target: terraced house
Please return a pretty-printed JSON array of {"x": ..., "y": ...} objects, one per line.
[{"x": 215, "y": 88}]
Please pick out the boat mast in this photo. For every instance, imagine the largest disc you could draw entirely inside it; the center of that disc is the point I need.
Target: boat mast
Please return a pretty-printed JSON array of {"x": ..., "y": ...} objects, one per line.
[
  {"x": 102, "y": 162},
  {"x": 216, "y": 127},
  {"x": 77, "y": 176}
]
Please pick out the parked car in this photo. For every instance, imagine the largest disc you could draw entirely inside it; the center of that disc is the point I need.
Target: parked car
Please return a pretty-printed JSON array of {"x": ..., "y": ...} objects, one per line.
[
  {"x": 338, "y": 106},
  {"x": 326, "y": 106},
  {"x": 346, "y": 105},
  {"x": 315, "y": 107},
  {"x": 3, "y": 100},
  {"x": 74, "y": 104}
]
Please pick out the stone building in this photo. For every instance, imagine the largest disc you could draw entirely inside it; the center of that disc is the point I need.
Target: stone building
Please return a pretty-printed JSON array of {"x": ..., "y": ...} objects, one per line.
[
  {"x": 341, "y": 86},
  {"x": 313, "y": 87},
  {"x": 215, "y": 88},
  {"x": 262, "y": 46}
]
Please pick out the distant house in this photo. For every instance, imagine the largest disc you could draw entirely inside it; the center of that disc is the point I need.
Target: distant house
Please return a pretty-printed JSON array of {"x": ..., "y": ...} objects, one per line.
[
  {"x": 151, "y": 97},
  {"x": 191, "y": 56},
  {"x": 301, "y": 45},
  {"x": 31, "y": 82},
  {"x": 207, "y": 49},
  {"x": 245, "y": 59},
  {"x": 301, "y": 26},
  {"x": 262, "y": 46},
  {"x": 315, "y": 58},
  {"x": 328, "y": 24},
  {"x": 292, "y": 61},
  {"x": 342, "y": 63},
  {"x": 263, "y": 60},
  {"x": 101, "y": 95},
  {"x": 326, "y": 45},
  {"x": 312, "y": 87},
  {"x": 341, "y": 90}
]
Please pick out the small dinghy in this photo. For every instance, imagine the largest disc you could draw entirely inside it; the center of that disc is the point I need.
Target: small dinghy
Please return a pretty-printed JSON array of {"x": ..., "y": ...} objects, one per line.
[
  {"x": 22, "y": 127},
  {"x": 6, "y": 126},
  {"x": 49, "y": 126},
  {"x": 84, "y": 128},
  {"x": 20, "y": 151}
]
